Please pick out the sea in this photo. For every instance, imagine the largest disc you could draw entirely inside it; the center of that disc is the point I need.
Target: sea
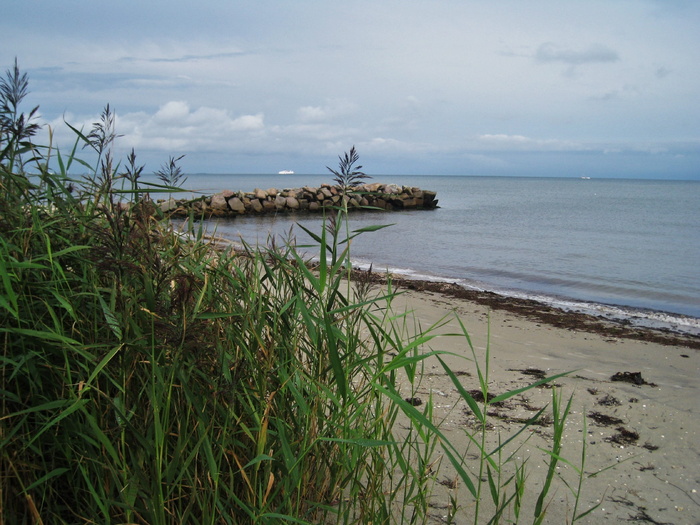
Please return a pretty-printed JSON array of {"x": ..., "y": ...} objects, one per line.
[{"x": 619, "y": 248}]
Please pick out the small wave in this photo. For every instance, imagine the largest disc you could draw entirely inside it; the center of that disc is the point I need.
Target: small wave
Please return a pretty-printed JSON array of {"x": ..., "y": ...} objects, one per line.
[{"x": 643, "y": 318}]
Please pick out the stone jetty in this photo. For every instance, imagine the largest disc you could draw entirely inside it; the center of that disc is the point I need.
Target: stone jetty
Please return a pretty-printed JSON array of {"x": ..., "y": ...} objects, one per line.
[{"x": 307, "y": 199}]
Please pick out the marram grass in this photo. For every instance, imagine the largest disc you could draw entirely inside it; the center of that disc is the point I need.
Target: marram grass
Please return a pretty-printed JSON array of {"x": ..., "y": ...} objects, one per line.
[{"x": 148, "y": 378}]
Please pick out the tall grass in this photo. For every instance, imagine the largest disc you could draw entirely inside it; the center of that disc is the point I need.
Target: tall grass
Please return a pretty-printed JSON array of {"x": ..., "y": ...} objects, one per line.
[{"x": 148, "y": 378}]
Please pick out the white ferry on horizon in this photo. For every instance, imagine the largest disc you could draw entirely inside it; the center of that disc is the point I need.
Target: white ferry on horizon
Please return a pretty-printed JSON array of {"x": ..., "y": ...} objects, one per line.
[{"x": 286, "y": 172}]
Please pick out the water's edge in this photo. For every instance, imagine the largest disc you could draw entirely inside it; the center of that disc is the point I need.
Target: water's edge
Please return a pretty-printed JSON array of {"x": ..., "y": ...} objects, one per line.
[{"x": 613, "y": 320}]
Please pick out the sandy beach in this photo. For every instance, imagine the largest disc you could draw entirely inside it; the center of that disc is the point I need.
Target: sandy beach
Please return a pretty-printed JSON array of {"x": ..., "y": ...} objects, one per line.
[{"x": 647, "y": 429}]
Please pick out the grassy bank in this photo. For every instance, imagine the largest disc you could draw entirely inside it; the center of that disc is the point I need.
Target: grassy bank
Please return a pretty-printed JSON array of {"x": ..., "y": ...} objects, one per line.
[{"x": 148, "y": 378}]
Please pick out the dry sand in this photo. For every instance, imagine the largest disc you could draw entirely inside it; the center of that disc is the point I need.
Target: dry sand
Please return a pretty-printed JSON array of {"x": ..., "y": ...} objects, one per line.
[{"x": 647, "y": 432}]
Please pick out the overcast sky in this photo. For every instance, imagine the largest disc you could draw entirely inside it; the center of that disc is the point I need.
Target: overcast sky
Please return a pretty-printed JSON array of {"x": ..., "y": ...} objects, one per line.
[{"x": 602, "y": 88}]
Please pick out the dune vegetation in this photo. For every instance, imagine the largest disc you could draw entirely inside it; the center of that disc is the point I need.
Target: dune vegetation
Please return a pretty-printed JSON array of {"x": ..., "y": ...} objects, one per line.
[{"x": 149, "y": 377}]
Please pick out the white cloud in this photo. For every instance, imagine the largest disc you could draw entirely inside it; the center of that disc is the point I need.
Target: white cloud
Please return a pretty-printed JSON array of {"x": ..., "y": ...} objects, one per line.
[
  {"x": 172, "y": 113},
  {"x": 312, "y": 113},
  {"x": 249, "y": 123},
  {"x": 331, "y": 110},
  {"x": 388, "y": 145},
  {"x": 176, "y": 127},
  {"x": 523, "y": 143},
  {"x": 313, "y": 137}
]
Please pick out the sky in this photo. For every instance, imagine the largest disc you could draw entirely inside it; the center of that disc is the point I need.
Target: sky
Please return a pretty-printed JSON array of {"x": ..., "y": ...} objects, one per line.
[{"x": 600, "y": 88}]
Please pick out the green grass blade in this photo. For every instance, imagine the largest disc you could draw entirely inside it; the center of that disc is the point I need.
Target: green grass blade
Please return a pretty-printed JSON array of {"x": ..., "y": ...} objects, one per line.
[
  {"x": 423, "y": 422},
  {"x": 471, "y": 402},
  {"x": 55, "y": 472},
  {"x": 511, "y": 393}
]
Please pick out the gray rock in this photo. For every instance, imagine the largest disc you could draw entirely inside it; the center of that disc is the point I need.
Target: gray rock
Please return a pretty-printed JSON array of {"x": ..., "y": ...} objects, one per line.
[
  {"x": 237, "y": 205},
  {"x": 168, "y": 206},
  {"x": 218, "y": 202},
  {"x": 256, "y": 205}
]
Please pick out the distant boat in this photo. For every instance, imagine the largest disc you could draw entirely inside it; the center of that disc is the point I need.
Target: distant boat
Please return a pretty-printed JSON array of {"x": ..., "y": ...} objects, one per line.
[
  {"x": 286, "y": 172},
  {"x": 586, "y": 178}
]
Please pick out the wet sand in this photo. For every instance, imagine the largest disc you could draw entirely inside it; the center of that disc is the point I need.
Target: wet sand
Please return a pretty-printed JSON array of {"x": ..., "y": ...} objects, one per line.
[{"x": 636, "y": 390}]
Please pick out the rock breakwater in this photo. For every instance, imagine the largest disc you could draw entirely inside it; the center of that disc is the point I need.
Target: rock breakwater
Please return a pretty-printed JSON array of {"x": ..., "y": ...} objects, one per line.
[{"x": 306, "y": 199}]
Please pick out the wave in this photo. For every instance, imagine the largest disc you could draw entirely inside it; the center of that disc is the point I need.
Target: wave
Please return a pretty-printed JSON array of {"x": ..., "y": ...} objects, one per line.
[{"x": 638, "y": 317}]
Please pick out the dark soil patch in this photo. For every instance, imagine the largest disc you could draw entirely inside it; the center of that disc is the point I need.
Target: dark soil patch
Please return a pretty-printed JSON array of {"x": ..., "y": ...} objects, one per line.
[
  {"x": 624, "y": 437},
  {"x": 449, "y": 483},
  {"x": 643, "y": 516},
  {"x": 544, "y": 420},
  {"x": 457, "y": 373},
  {"x": 605, "y": 420},
  {"x": 609, "y": 401},
  {"x": 479, "y": 397},
  {"x": 634, "y": 378},
  {"x": 534, "y": 372},
  {"x": 527, "y": 406}
]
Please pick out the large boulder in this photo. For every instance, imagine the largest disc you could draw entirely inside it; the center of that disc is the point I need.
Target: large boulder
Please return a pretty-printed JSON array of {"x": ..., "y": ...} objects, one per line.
[
  {"x": 237, "y": 205},
  {"x": 168, "y": 206},
  {"x": 256, "y": 205},
  {"x": 219, "y": 202},
  {"x": 429, "y": 200}
]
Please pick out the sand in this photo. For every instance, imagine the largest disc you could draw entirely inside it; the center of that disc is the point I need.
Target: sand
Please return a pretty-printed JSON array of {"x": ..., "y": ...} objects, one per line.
[{"x": 648, "y": 433}]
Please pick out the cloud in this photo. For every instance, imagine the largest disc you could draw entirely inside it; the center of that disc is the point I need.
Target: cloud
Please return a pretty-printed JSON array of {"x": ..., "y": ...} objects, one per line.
[
  {"x": 522, "y": 143},
  {"x": 175, "y": 126},
  {"x": 312, "y": 138},
  {"x": 593, "y": 54},
  {"x": 312, "y": 113},
  {"x": 437, "y": 83},
  {"x": 388, "y": 146},
  {"x": 662, "y": 72},
  {"x": 606, "y": 96},
  {"x": 172, "y": 112},
  {"x": 333, "y": 109},
  {"x": 187, "y": 57}
]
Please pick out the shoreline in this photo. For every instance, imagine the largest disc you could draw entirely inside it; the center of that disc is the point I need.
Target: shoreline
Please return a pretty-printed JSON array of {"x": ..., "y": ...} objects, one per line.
[
  {"x": 531, "y": 309},
  {"x": 540, "y": 312},
  {"x": 618, "y": 320}
]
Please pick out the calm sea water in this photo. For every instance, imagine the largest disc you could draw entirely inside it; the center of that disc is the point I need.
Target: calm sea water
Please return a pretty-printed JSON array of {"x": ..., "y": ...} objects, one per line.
[{"x": 621, "y": 248}]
